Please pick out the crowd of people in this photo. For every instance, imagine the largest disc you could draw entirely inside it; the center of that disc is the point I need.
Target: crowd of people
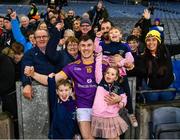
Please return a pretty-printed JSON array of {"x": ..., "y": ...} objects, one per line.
[{"x": 85, "y": 62}]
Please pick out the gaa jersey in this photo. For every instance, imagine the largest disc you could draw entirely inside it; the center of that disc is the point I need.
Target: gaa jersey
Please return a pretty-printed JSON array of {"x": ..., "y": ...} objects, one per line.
[{"x": 83, "y": 76}]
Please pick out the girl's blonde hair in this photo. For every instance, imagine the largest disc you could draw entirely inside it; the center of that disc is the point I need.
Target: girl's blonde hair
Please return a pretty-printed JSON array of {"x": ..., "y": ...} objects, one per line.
[{"x": 119, "y": 78}]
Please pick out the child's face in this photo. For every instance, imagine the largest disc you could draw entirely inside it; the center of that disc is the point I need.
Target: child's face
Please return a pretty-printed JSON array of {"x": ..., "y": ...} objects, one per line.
[
  {"x": 64, "y": 92},
  {"x": 136, "y": 32},
  {"x": 76, "y": 25},
  {"x": 43, "y": 26},
  {"x": 156, "y": 23},
  {"x": 111, "y": 75},
  {"x": 133, "y": 45},
  {"x": 32, "y": 39},
  {"x": 115, "y": 35}
]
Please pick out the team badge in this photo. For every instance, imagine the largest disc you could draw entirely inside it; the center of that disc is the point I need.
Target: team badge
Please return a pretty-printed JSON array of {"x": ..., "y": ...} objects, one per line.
[{"x": 89, "y": 69}]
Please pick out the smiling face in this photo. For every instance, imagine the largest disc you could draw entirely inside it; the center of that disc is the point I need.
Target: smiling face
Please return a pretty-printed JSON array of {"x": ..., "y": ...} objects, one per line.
[
  {"x": 85, "y": 28},
  {"x": 111, "y": 75},
  {"x": 64, "y": 92},
  {"x": 133, "y": 45},
  {"x": 152, "y": 44},
  {"x": 86, "y": 49},
  {"x": 43, "y": 26},
  {"x": 24, "y": 21},
  {"x": 70, "y": 13},
  {"x": 72, "y": 48},
  {"x": 41, "y": 37},
  {"x": 136, "y": 32},
  {"x": 115, "y": 35},
  {"x": 76, "y": 25},
  {"x": 32, "y": 39},
  {"x": 105, "y": 27}
]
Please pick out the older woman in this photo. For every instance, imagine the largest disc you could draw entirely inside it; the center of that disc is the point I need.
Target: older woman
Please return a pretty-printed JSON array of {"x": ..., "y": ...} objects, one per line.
[
  {"x": 62, "y": 57},
  {"x": 155, "y": 66}
]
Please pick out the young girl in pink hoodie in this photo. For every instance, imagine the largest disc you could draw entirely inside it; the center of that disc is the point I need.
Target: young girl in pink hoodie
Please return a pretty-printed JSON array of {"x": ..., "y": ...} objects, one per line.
[{"x": 106, "y": 122}]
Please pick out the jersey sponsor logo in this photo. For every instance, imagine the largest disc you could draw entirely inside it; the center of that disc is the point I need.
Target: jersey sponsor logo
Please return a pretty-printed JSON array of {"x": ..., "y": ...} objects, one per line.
[
  {"x": 86, "y": 86},
  {"x": 89, "y": 81},
  {"x": 77, "y": 68}
]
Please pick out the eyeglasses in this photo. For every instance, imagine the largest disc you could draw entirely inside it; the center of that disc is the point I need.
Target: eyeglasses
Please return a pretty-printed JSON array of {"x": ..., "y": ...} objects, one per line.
[
  {"x": 72, "y": 45},
  {"x": 85, "y": 26},
  {"x": 41, "y": 37}
]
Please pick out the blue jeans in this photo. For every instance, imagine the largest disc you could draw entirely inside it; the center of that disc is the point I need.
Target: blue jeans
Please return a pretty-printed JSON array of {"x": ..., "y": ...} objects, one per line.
[{"x": 157, "y": 96}]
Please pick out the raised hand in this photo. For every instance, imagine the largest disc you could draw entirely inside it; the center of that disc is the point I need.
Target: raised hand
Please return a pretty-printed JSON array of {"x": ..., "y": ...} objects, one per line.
[
  {"x": 13, "y": 15},
  {"x": 29, "y": 71},
  {"x": 51, "y": 75},
  {"x": 146, "y": 14},
  {"x": 62, "y": 41},
  {"x": 129, "y": 65}
]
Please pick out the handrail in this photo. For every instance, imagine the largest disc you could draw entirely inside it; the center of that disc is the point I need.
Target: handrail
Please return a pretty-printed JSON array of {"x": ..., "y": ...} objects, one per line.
[{"x": 157, "y": 90}]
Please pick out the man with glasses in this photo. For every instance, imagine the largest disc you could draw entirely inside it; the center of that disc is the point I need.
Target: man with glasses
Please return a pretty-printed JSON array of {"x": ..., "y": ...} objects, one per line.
[
  {"x": 36, "y": 57},
  {"x": 85, "y": 29}
]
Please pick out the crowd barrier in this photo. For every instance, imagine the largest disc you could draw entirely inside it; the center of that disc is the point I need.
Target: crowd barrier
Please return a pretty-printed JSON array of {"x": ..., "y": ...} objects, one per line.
[
  {"x": 34, "y": 115},
  {"x": 144, "y": 115}
]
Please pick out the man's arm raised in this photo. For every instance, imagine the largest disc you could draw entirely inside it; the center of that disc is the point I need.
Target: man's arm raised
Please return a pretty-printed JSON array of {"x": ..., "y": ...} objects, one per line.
[{"x": 29, "y": 71}]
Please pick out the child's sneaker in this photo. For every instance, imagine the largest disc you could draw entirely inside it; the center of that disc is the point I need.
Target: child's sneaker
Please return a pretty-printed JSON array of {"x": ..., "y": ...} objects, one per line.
[
  {"x": 133, "y": 120},
  {"x": 77, "y": 137}
]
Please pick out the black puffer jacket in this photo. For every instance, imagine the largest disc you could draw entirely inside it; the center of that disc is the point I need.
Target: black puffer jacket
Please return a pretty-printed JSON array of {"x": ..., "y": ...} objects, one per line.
[
  {"x": 7, "y": 75},
  {"x": 157, "y": 71}
]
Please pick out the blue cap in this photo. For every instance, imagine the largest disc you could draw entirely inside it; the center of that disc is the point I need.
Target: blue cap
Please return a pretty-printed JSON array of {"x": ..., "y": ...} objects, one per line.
[{"x": 157, "y": 19}]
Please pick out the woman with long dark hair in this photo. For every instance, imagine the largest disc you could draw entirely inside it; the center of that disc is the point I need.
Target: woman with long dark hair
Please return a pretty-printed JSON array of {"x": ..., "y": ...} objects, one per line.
[{"x": 156, "y": 68}]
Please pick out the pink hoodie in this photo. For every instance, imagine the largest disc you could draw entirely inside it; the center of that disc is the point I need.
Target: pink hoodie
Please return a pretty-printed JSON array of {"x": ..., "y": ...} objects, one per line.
[{"x": 100, "y": 107}]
